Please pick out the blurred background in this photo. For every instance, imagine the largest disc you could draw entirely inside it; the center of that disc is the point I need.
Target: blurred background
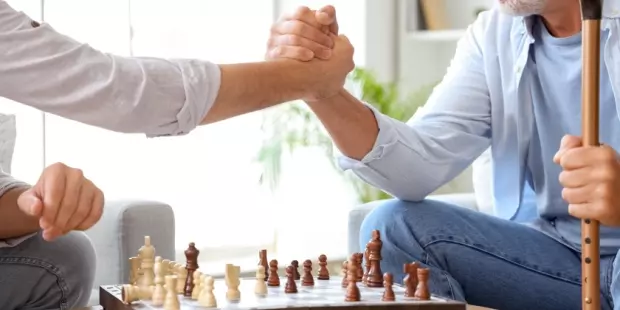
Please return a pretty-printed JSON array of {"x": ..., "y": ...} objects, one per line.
[{"x": 264, "y": 180}]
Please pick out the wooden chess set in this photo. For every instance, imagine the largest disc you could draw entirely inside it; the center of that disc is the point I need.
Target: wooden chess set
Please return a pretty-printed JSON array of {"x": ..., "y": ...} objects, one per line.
[{"x": 156, "y": 283}]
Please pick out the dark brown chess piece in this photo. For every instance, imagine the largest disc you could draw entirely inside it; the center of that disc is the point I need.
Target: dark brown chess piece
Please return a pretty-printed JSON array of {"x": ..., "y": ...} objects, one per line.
[
  {"x": 295, "y": 265},
  {"x": 291, "y": 286},
  {"x": 422, "y": 292},
  {"x": 191, "y": 264},
  {"x": 360, "y": 269},
  {"x": 274, "y": 279},
  {"x": 262, "y": 260},
  {"x": 411, "y": 279},
  {"x": 323, "y": 273},
  {"x": 353, "y": 292},
  {"x": 367, "y": 269},
  {"x": 345, "y": 265},
  {"x": 373, "y": 260},
  {"x": 307, "y": 279},
  {"x": 388, "y": 293}
]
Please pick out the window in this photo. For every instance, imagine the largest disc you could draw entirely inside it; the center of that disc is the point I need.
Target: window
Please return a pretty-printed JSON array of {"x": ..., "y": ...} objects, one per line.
[{"x": 209, "y": 177}]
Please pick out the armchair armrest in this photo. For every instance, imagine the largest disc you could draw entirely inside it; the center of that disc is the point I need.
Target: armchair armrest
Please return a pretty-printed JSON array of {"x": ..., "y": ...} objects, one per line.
[
  {"x": 120, "y": 233},
  {"x": 358, "y": 214}
]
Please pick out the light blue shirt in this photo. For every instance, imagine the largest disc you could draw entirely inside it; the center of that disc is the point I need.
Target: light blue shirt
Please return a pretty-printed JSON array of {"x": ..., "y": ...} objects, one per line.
[{"x": 491, "y": 96}]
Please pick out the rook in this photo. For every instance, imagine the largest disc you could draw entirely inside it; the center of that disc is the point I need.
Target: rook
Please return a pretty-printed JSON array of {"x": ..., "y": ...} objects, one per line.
[{"x": 422, "y": 292}]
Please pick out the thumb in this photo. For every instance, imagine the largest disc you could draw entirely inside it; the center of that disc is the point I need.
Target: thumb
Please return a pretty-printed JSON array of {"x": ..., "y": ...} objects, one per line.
[
  {"x": 326, "y": 16},
  {"x": 30, "y": 203},
  {"x": 568, "y": 142}
]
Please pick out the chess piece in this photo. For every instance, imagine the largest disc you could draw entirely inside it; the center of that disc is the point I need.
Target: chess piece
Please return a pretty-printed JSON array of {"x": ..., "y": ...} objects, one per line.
[
  {"x": 191, "y": 256},
  {"x": 147, "y": 260},
  {"x": 411, "y": 279},
  {"x": 172, "y": 270},
  {"x": 344, "y": 273},
  {"x": 291, "y": 286},
  {"x": 422, "y": 291},
  {"x": 166, "y": 266},
  {"x": 159, "y": 293},
  {"x": 373, "y": 261},
  {"x": 262, "y": 260},
  {"x": 171, "y": 302},
  {"x": 353, "y": 292},
  {"x": 388, "y": 293},
  {"x": 360, "y": 269},
  {"x": 231, "y": 277},
  {"x": 134, "y": 263},
  {"x": 295, "y": 265},
  {"x": 181, "y": 278},
  {"x": 130, "y": 293},
  {"x": 196, "y": 280},
  {"x": 274, "y": 278},
  {"x": 207, "y": 298},
  {"x": 260, "y": 288},
  {"x": 367, "y": 265},
  {"x": 323, "y": 273},
  {"x": 307, "y": 279}
]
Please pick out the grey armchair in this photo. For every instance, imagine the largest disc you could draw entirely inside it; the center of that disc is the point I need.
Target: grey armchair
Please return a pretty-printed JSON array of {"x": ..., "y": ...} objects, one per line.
[{"x": 120, "y": 233}]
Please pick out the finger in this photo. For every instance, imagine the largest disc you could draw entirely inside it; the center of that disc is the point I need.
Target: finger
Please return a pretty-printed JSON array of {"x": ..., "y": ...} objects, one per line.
[
  {"x": 319, "y": 50},
  {"x": 96, "y": 211},
  {"x": 51, "y": 234},
  {"x": 53, "y": 192},
  {"x": 568, "y": 142},
  {"x": 584, "y": 210},
  {"x": 84, "y": 207},
  {"x": 577, "y": 178},
  {"x": 578, "y": 195},
  {"x": 304, "y": 30},
  {"x": 581, "y": 157},
  {"x": 327, "y": 17},
  {"x": 75, "y": 179},
  {"x": 292, "y": 52},
  {"x": 30, "y": 203}
]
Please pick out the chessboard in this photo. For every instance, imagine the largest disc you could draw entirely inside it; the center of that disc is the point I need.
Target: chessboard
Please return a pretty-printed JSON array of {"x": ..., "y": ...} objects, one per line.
[
  {"x": 322, "y": 295},
  {"x": 157, "y": 283}
]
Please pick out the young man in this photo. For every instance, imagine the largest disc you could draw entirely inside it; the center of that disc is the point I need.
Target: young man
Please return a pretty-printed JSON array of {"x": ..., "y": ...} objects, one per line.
[
  {"x": 515, "y": 85},
  {"x": 44, "y": 69}
]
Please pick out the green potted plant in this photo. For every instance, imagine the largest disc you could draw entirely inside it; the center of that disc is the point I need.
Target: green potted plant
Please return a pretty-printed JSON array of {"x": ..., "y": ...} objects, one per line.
[{"x": 292, "y": 126}]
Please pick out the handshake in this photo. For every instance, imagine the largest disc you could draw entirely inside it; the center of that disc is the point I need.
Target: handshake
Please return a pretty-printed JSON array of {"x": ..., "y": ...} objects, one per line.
[{"x": 311, "y": 36}]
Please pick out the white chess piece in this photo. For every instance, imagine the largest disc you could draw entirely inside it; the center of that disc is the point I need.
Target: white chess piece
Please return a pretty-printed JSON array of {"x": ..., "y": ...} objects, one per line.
[
  {"x": 197, "y": 284},
  {"x": 207, "y": 298},
  {"x": 260, "y": 288},
  {"x": 232, "y": 282},
  {"x": 159, "y": 293},
  {"x": 171, "y": 302},
  {"x": 147, "y": 257}
]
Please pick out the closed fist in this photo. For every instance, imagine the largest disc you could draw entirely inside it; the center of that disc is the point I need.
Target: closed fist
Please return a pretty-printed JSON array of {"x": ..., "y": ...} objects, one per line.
[
  {"x": 63, "y": 200},
  {"x": 591, "y": 179}
]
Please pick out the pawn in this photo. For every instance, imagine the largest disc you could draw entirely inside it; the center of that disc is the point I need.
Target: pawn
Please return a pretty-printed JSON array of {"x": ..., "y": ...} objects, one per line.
[
  {"x": 171, "y": 302},
  {"x": 307, "y": 279},
  {"x": 207, "y": 298},
  {"x": 345, "y": 282},
  {"x": 159, "y": 293},
  {"x": 323, "y": 273},
  {"x": 196, "y": 284},
  {"x": 352, "y": 291},
  {"x": 388, "y": 293},
  {"x": 422, "y": 291},
  {"x": 260, "y": 288},
  {"x": 291, "y": 286},
  {"x": 295, "y": 265},
  {"x": 274, "y": 278}
]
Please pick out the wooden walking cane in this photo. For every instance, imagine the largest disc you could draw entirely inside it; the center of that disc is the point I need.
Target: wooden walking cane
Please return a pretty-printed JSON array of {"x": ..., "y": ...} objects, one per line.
[{"x": 591, "y": 13}]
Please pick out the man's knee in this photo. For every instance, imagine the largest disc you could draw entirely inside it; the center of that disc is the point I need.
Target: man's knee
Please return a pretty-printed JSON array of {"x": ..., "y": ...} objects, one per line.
[{"x": 60, "y": 273}]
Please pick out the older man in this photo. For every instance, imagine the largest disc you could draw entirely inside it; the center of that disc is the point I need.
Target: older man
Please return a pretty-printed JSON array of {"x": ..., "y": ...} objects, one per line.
[{"x": 515, "y": 85}]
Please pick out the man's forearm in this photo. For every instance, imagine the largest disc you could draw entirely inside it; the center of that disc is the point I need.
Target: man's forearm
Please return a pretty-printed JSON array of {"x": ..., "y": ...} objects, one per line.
[
  {"x": 13, "y": 222},
  {"x": 249, "y": 87},
  {"x": 352, "y": 126}
]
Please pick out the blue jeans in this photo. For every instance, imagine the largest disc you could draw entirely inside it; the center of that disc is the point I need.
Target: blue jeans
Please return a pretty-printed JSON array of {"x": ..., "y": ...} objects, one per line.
[{"x": 481, "y": 259}]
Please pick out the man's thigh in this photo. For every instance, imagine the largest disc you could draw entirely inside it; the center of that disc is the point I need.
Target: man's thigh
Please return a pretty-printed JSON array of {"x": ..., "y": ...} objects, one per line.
[
  {"x": 476, "y": 257},
  {"x": 37, "y": 274}
]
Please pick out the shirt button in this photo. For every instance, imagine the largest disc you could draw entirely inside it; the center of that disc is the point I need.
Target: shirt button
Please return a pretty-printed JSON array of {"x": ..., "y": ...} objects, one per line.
[
  {"x": 34, "y": 24},
  {"x": 518, "y": 69}
]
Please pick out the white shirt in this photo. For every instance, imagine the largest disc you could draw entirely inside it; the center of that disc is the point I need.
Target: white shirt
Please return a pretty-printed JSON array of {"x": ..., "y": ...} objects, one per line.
[{"x": 44, "y": 69}]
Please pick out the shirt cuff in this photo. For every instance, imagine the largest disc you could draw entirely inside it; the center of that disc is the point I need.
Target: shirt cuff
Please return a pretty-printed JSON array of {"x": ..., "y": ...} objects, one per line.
[{"x": 386, "y": 139}]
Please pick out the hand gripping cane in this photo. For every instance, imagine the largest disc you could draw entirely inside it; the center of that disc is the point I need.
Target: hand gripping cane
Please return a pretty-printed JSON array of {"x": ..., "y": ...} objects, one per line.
[{"x": 591, "y": 13}]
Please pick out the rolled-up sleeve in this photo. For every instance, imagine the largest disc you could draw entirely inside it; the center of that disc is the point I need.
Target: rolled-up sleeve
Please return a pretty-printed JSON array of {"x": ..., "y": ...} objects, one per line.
[
  {"x": 411, "y": 160},
  {"x": 51, "y": 72},
  {"x": 8, "y": 183}
]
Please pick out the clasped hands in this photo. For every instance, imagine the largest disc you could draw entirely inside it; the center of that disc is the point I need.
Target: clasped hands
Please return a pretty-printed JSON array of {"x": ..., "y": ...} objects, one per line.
[
  {"x": 311, "y": 36},
  {"x": 62, "y": 200}
]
